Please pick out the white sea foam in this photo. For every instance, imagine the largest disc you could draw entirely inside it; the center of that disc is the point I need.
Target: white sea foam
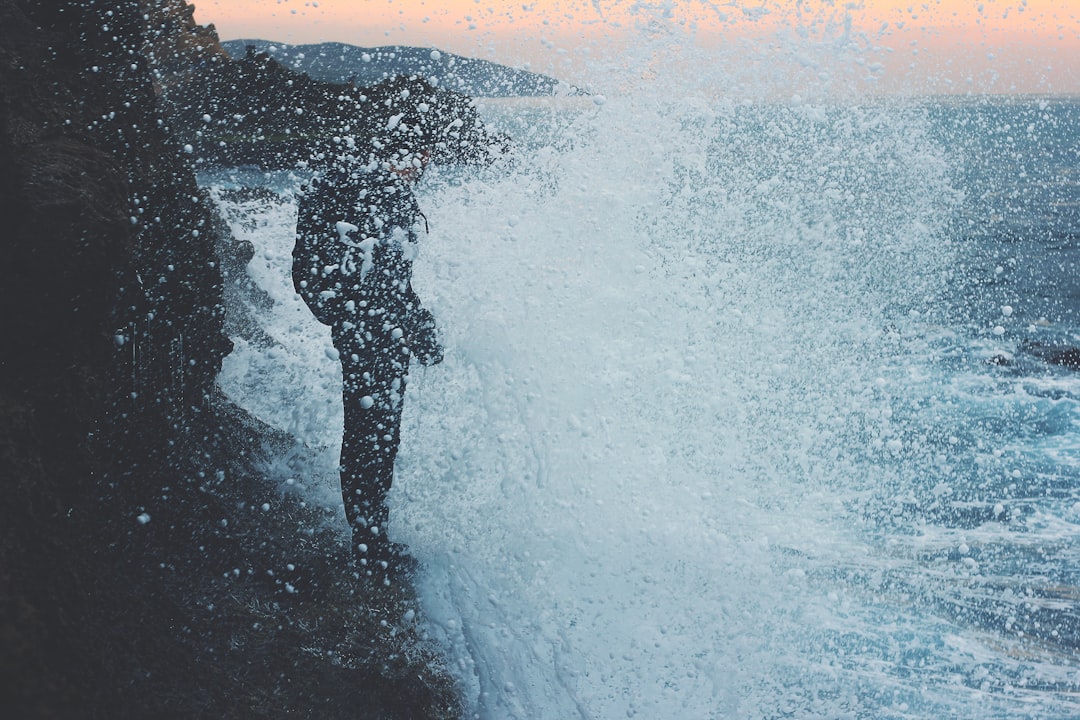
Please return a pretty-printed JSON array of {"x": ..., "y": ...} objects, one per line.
[
  {"x": 688, "y": 345},
  {"x": 660, "y": 336}
]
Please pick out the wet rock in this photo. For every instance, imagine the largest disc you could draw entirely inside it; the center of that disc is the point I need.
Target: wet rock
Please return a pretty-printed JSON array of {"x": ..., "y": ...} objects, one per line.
[
  {"x": 254, "y": 111},
  {"x": 129, "y": 482},
  {"x": 1061, "y": 355}
]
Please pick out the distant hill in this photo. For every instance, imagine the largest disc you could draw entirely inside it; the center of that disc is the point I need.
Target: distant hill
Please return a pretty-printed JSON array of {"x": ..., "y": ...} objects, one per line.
[{"x": 342, "y": 63}]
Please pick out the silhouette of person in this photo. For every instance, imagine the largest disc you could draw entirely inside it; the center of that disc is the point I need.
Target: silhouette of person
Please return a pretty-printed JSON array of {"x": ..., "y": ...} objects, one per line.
[{"x": 358, "y": 227}]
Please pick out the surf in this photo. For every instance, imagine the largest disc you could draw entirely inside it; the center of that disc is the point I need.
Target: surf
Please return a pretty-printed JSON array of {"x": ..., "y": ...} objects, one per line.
[{"x": 698, "y": 442}]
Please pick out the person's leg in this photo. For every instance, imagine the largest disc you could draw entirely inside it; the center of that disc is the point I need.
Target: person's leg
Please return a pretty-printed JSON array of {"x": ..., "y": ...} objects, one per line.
[{"x": 372, "y": 397}]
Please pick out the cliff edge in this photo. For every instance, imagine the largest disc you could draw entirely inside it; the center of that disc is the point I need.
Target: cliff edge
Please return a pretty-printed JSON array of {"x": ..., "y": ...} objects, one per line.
[{"x": 147, "y": 567}]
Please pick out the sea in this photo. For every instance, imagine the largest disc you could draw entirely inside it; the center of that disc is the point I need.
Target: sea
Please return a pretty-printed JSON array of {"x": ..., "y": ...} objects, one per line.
[{"x": 751, "y": 408}]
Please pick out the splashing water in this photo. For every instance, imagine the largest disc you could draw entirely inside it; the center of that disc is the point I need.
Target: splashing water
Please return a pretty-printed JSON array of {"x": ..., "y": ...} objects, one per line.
[
  {"x": 696, "y": 417},
  {"x": 665, "y": 342}
]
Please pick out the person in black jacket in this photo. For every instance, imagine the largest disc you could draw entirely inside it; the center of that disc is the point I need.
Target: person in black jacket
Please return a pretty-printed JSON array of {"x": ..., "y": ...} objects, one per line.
[{"x": 357, "y": 232}]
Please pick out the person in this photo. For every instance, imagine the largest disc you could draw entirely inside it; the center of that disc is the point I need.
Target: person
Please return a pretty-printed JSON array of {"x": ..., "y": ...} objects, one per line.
[{"x": 358, "y": 227}]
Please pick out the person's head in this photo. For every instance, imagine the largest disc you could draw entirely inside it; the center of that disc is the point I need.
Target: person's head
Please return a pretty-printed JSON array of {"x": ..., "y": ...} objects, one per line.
[
  {"x": 403, "y": 125},
  {"x": 408, "y": 115}
]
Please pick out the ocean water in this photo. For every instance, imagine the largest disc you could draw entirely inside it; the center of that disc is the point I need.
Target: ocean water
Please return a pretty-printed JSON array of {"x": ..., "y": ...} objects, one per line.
[{"x": 745, "y": 413}]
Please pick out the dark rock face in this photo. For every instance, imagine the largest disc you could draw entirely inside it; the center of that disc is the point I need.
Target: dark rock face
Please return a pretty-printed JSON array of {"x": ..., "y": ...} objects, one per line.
[
  {"x": 136, "y": 578},
  {"x": 252, "y": 110},
  {"x": 1060, "y": 354}
]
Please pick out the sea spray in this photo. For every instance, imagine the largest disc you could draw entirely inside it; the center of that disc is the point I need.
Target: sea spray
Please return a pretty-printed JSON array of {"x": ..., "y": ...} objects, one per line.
[
  {"x": 709, "y": 439},
  {"x": 661, "y": 347}
]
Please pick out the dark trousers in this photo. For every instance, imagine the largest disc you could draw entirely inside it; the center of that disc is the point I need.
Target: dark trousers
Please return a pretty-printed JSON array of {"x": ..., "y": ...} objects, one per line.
[{"x": 373, "y": 389}]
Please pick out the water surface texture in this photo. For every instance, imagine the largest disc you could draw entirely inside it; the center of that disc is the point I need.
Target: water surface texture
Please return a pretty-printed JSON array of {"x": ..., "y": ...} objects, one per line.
[{"x": 749, "y": 409}]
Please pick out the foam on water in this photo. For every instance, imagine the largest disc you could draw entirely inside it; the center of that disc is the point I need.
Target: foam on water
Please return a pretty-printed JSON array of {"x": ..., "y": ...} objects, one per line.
[
  {"x": 690, "y": 391},
  {"x": 661, "y": 338}
]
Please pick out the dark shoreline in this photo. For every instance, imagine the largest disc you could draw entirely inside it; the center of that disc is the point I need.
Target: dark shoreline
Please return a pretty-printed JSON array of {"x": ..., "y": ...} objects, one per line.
[{"x": 149, "y": 566}]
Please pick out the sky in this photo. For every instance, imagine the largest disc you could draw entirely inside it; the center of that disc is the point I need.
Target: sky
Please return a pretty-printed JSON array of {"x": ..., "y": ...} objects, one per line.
[{"x": 912, "y": 46}]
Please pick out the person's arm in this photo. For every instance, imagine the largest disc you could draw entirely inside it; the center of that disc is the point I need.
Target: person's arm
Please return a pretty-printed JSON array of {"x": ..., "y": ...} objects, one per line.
[
  {"x": 421, "y": 331},
  {"x": 318, "y": 256}
]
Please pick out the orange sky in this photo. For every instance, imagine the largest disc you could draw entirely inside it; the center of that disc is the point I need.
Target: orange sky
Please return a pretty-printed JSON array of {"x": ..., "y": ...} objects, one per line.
[{"x": 913, "y": 46}]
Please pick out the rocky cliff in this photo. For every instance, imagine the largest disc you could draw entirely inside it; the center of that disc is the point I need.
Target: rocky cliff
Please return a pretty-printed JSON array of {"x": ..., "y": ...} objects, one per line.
[
  {"x": 140, "y": 575},
  {"x": 253, "y": 110}
]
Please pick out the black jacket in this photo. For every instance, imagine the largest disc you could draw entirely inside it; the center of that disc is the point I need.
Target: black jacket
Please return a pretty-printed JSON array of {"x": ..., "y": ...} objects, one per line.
[{"x": 352, "y": 264}]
